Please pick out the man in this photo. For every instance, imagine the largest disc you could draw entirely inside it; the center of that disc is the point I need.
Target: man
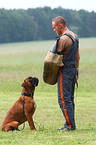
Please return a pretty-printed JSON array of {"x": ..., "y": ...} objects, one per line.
[{"x": 68, "y": 47}]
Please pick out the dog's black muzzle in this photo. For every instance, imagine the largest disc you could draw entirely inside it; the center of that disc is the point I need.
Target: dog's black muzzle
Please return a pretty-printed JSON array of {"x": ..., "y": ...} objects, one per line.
[{"x": 34, "y": 81}]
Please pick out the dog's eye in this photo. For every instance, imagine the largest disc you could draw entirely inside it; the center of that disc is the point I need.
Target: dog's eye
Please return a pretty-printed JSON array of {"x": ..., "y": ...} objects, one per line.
[{"x": 30, "y": 79}]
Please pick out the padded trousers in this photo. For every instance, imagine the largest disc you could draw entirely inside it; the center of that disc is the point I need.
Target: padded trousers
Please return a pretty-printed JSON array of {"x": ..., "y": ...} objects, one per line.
[{"x": 66, "y": 88}]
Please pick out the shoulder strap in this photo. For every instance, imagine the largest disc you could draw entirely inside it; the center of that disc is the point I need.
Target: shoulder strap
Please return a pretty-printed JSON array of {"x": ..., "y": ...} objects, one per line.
[
  {"x": 77, "y": 38},
  {"x": 69, "y": 35}
]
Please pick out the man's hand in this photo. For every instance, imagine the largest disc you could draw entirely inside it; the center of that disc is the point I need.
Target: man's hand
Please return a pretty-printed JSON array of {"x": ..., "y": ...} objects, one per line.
[{"x": 77, "y": 76}]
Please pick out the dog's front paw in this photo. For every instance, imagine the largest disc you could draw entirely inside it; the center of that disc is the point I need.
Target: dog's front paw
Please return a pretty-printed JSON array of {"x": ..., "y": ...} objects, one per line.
[{"x": 33, "y": 129}]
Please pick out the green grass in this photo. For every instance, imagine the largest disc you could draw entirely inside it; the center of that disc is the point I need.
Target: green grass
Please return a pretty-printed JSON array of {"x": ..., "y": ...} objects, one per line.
[{"x": 20, "y": 60}]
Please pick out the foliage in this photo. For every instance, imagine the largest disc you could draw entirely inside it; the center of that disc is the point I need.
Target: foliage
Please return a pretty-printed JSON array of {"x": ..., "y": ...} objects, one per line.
[
  {"x": 20, "y": 60},
  {"x": 35, "y": 24}
]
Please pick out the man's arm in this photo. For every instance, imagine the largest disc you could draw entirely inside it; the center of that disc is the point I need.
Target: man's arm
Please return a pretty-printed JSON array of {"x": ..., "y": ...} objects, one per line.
[
  {"x": 77, "y": 63},
  {"x": 77, "y": 58}
]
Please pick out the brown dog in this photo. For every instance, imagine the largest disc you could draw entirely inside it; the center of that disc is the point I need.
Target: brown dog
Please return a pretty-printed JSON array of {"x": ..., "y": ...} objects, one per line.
[{"x": 23, "y": 109}]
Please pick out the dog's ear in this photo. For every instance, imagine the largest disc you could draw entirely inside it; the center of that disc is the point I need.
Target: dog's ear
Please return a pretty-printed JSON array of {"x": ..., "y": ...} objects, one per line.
[
  {"x": 25, "y": 85},
  {"x": 36, "y": 81}
]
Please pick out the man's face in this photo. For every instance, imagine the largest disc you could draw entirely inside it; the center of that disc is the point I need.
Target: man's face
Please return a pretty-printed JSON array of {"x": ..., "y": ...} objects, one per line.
[{"x": 56, "y": 28}]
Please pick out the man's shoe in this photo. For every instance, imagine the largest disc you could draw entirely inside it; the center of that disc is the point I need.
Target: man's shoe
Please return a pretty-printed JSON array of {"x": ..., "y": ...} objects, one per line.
[
  {"x": 60, "y": 128},
  {"x": 63, "y": 129}
]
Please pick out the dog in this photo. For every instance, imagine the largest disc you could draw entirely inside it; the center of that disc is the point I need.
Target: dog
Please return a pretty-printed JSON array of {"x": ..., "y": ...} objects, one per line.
[{"x": 23, "y": 109}]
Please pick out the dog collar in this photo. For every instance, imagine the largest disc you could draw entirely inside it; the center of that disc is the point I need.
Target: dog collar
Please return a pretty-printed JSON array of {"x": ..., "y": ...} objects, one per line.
[{"x": 27, "y": 94}]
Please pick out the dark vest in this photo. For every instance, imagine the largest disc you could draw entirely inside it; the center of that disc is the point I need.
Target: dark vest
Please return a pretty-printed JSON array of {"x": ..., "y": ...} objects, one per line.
[{"x": 71, "y": 55}]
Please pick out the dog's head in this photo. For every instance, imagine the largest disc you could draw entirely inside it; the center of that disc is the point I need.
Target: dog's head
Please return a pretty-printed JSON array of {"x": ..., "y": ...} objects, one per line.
[{"x": 30, "y": 83}]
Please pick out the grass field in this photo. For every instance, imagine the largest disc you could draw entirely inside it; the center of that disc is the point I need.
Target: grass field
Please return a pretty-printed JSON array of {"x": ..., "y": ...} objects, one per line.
[{"x": 20, "y": 60}]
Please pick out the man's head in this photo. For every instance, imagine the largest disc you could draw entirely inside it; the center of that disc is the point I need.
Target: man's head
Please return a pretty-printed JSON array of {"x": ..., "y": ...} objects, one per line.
[{"x": 59, "y": 24}]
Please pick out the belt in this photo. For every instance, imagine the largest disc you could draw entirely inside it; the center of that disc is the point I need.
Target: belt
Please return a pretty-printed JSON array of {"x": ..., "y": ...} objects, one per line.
[{"x": 70, "y": 66}]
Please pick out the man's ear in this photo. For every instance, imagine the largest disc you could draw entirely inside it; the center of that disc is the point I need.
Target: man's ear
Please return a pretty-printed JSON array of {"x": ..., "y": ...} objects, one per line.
[{"x": 60, "y": 26}]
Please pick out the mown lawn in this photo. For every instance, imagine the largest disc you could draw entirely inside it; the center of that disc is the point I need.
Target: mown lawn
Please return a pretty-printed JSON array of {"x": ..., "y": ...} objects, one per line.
[{"x": 20, "y": 60}]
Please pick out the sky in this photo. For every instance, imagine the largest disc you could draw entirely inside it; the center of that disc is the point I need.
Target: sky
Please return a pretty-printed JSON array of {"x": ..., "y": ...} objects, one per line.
[{"x": 88, "y": 5}]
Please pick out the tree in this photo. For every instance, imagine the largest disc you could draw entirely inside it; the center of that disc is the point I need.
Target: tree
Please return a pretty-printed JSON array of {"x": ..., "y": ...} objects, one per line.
[{"x": 35, "y": 24}]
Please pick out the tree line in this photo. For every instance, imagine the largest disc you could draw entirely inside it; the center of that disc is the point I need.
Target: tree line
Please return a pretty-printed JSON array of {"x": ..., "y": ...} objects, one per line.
[{"x": 35, "y": 23}]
